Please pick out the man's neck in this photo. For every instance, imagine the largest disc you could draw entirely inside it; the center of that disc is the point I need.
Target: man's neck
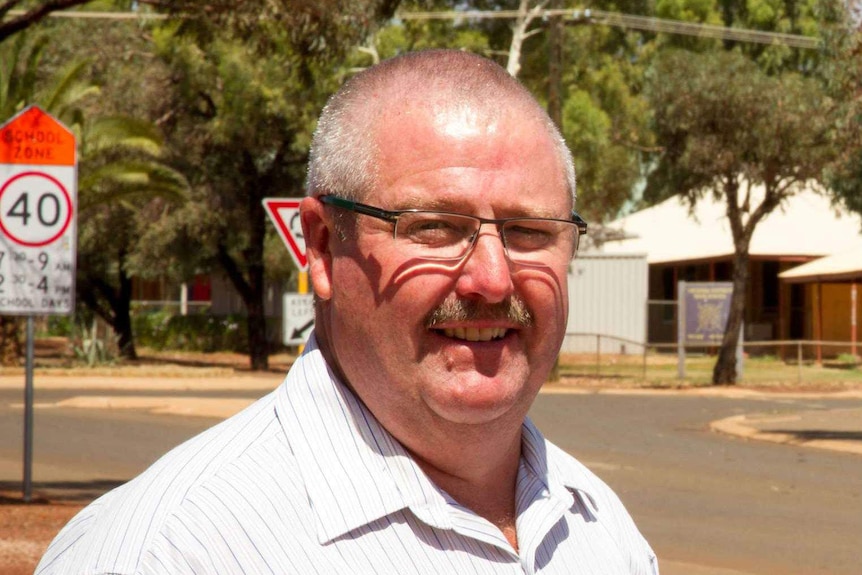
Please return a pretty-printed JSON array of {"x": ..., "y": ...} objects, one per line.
[{"x": 481, "y": 479}]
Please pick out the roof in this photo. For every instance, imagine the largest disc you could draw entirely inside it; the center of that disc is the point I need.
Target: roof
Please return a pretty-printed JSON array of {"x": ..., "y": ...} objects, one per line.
[
  {"x": 807, "y": 225},
  {"x": 844, "y": 266}
]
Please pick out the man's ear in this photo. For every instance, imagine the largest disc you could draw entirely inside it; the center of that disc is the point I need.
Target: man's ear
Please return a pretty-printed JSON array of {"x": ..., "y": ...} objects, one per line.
[{"x": 318, "y": 231}]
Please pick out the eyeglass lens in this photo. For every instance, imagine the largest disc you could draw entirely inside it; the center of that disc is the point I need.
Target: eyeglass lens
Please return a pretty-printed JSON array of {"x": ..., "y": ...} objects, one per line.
[{"x": 440, "y": 236}]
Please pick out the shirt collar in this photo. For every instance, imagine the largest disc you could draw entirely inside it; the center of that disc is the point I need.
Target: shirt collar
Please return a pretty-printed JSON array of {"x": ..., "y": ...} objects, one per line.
[
  {"x": 355, "y": 472},
  {"x": 561, "y": 475}
]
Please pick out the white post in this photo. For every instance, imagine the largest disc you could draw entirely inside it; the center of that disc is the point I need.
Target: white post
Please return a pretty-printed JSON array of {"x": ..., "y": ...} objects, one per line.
[{"x": 184, "y": 299}]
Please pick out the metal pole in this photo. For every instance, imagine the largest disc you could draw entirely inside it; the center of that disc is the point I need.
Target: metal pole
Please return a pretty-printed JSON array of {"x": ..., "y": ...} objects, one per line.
[
  {"x": 645, "y": 362},
  {"x": 853, "y": 319},
  {"x": 646, "y": 335},
  {"x": 680, "y": 330},
  {"x": 28, "y": 415},
  {"x": 799, "y": 362},
  {"x": 598, "y": 354}
]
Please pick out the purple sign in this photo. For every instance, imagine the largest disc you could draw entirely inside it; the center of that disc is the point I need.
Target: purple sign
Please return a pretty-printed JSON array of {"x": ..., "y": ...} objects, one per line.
[{"x": 705, "y": 307}]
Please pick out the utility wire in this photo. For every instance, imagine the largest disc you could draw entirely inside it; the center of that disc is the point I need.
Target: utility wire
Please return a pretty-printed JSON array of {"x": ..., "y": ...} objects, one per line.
[{"x": 589, "y": 16}]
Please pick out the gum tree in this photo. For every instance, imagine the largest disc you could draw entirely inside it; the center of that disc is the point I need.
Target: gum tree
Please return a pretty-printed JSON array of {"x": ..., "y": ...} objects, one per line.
[{"x": 727, "y": 128}]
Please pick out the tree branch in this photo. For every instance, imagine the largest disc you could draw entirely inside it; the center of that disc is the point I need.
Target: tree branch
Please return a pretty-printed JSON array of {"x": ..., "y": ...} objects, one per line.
[{"x": 31, "y": 17}]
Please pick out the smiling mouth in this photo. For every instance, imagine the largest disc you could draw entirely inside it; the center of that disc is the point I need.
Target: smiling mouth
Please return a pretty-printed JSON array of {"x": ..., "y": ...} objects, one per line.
[{"x": 475, "y": 334}]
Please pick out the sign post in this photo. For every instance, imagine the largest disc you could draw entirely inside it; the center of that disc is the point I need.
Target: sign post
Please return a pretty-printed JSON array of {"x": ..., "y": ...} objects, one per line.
[
  {"x": 38, "y": 232},
  {"x": 297, "y": 312}
]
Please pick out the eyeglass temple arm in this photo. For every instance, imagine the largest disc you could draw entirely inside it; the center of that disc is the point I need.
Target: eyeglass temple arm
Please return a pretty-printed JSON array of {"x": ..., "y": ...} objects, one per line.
[
  {"x": 358, "y": 208},
  {"x": 580, "y": 222}
]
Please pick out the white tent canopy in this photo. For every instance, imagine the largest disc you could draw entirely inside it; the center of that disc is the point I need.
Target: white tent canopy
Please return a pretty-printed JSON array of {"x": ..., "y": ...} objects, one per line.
[
  {"x": 806, "y": 225},
  {"x": 844, "y": 266}
]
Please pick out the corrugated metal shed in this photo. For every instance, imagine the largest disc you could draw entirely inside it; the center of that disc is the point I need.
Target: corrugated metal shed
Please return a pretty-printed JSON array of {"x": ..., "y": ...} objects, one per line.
[{"x": 608, "y": 297}]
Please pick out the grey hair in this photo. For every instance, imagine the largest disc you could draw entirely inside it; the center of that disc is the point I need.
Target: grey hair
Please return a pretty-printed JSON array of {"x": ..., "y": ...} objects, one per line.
[{"x": 343, "y": 153}]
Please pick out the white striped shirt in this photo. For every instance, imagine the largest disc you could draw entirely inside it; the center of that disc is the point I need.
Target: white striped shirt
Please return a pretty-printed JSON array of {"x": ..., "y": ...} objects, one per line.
[{"x": 307, "y": 481}]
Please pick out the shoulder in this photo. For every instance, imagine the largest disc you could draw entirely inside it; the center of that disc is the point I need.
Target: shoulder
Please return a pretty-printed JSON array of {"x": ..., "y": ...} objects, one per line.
[
  {"x": 598, "y": 499},
  {"x": 115, "y": 533}
]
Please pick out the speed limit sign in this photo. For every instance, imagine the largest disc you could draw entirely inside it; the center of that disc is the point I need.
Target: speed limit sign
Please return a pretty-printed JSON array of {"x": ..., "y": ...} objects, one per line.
[{"x": 38, "y": 194}]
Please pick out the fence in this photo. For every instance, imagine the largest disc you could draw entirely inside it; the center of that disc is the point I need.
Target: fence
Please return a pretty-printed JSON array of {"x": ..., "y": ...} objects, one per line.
[
  {"x": 777, "y": 361},
  {"x": 171, "y": 306}
]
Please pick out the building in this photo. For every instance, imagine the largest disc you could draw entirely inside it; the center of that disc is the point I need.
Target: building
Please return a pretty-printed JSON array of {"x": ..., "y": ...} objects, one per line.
[
  {"x": 695, "y": 244},
  {"x": 832, "y": 283}
]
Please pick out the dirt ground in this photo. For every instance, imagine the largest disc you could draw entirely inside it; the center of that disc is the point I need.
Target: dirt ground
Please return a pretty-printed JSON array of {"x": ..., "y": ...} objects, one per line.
[{"x": 26, "y": 530}]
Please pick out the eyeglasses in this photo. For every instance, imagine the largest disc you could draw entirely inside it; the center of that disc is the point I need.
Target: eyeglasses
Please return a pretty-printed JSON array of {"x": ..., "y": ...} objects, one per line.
[{"x": 447, "y": 236}]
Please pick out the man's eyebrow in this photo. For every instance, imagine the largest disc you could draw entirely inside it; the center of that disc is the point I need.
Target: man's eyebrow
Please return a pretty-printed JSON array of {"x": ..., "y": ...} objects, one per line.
[{"x": 418, "y": 201}]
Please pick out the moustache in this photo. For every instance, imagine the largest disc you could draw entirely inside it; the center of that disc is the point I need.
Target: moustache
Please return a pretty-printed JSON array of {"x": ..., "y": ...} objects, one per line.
[{"x": 512, "y": 310}]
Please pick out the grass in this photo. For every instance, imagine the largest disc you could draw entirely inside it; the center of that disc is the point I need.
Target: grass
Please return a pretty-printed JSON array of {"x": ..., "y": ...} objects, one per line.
[{"x": 660, "y": 370}]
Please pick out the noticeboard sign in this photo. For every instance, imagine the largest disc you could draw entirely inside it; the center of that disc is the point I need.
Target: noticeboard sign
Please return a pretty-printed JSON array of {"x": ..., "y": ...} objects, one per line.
[
  {"x": 38, "y": 232},
  {"x": 704, "y": 309}
]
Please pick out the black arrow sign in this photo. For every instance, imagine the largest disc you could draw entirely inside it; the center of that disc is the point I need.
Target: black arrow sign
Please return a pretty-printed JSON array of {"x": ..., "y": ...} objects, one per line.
[{"x": 300, "y": 331}]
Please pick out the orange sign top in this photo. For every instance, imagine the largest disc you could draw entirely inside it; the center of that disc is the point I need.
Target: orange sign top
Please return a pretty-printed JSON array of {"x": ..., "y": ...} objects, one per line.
[{"x": 35, "y": 137}]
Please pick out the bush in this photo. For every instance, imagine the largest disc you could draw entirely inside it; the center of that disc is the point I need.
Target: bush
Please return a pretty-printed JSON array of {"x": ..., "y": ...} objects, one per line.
[{"x": 163, "y": 330}]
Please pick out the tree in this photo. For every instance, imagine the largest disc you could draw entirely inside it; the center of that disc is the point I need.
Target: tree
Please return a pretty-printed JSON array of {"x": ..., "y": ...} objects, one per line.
[
  {"x": 247, "y": 86},
  {"x": 120, "y": 170},
  {"x": 842, "y": 76},
  {"x": 124, "y": 187},
  {"x": 728, "y": 129},
  {"x": 521, "y": 31}
]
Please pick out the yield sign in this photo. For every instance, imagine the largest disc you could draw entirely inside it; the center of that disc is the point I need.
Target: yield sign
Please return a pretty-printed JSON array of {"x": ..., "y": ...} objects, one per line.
[{"x": 284, "y": 213}]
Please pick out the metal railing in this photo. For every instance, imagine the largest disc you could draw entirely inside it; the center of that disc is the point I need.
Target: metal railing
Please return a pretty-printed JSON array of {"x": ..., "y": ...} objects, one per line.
[{"x": 789, "y": 360}]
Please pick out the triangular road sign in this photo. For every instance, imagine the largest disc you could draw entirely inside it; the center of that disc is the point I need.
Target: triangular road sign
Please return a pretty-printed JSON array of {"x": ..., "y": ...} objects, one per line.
[{"x": 284, "y": 213}]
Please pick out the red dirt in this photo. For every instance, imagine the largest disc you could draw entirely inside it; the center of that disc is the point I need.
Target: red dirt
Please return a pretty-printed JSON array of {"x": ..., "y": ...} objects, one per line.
[{"x": 27, "y": 529}]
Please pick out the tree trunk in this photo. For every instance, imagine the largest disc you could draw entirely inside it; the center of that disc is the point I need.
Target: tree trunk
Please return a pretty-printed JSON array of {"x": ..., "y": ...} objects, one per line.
[
  {"x": 724, "y": 372},
  {"x": 526, "y": 15},
  {"x": 122, "y": 323},
  {"x": 258, "y": 347},
  {"x": 10, "y": 342}
]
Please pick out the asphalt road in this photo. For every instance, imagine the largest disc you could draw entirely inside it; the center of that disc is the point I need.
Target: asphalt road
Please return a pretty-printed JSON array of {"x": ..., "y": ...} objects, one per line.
[
  {"x": 706, "y": 498},
  {"x": 699, "y": 497}
]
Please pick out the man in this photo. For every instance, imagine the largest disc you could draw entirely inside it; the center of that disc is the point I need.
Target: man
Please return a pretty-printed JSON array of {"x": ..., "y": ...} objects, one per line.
[{"x": 439, "y": 230}]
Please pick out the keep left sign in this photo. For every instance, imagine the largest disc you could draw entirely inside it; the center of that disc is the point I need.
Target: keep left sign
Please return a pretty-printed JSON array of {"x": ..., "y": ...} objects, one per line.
[{"x": 38, "y": 232}]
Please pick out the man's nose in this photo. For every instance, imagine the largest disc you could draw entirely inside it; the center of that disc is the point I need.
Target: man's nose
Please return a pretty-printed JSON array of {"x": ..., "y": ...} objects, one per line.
[{"x": 486, "y": 273}]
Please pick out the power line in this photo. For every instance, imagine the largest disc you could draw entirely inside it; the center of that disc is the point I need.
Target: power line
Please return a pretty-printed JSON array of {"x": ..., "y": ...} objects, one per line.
[
  {"x": 87, "y": 15},
  {"x": 589, "y": 16}
]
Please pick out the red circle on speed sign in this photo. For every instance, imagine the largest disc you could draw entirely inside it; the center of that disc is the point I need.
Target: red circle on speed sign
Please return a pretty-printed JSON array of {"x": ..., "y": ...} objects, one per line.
[{"x": 35, "y": 209}]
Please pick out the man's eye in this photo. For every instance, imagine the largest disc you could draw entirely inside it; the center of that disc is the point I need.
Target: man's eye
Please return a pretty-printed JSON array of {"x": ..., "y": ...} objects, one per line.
[
  {"x": 432, "y": 230},
  {"x": 528, "y": 236}
]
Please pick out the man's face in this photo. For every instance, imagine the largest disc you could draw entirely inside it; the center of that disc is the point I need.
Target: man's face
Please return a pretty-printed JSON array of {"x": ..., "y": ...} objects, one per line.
[{"x": 410, "y": 375}]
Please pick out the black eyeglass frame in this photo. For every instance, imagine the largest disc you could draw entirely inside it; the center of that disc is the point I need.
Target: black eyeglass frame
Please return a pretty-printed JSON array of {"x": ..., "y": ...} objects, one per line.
[{"x": 393, "y": 215}]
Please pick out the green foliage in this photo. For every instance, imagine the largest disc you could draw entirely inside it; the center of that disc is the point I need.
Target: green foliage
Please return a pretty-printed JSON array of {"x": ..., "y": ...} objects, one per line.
[
  {"x": 199, "y": 332},
  {"x": 720, "y": 119},
  {"x": 59, "y": 326},
  {"x": 313, "y": 29},
  {"x": 842, "y": 77},
  {"x": 92, "y": 349}
]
